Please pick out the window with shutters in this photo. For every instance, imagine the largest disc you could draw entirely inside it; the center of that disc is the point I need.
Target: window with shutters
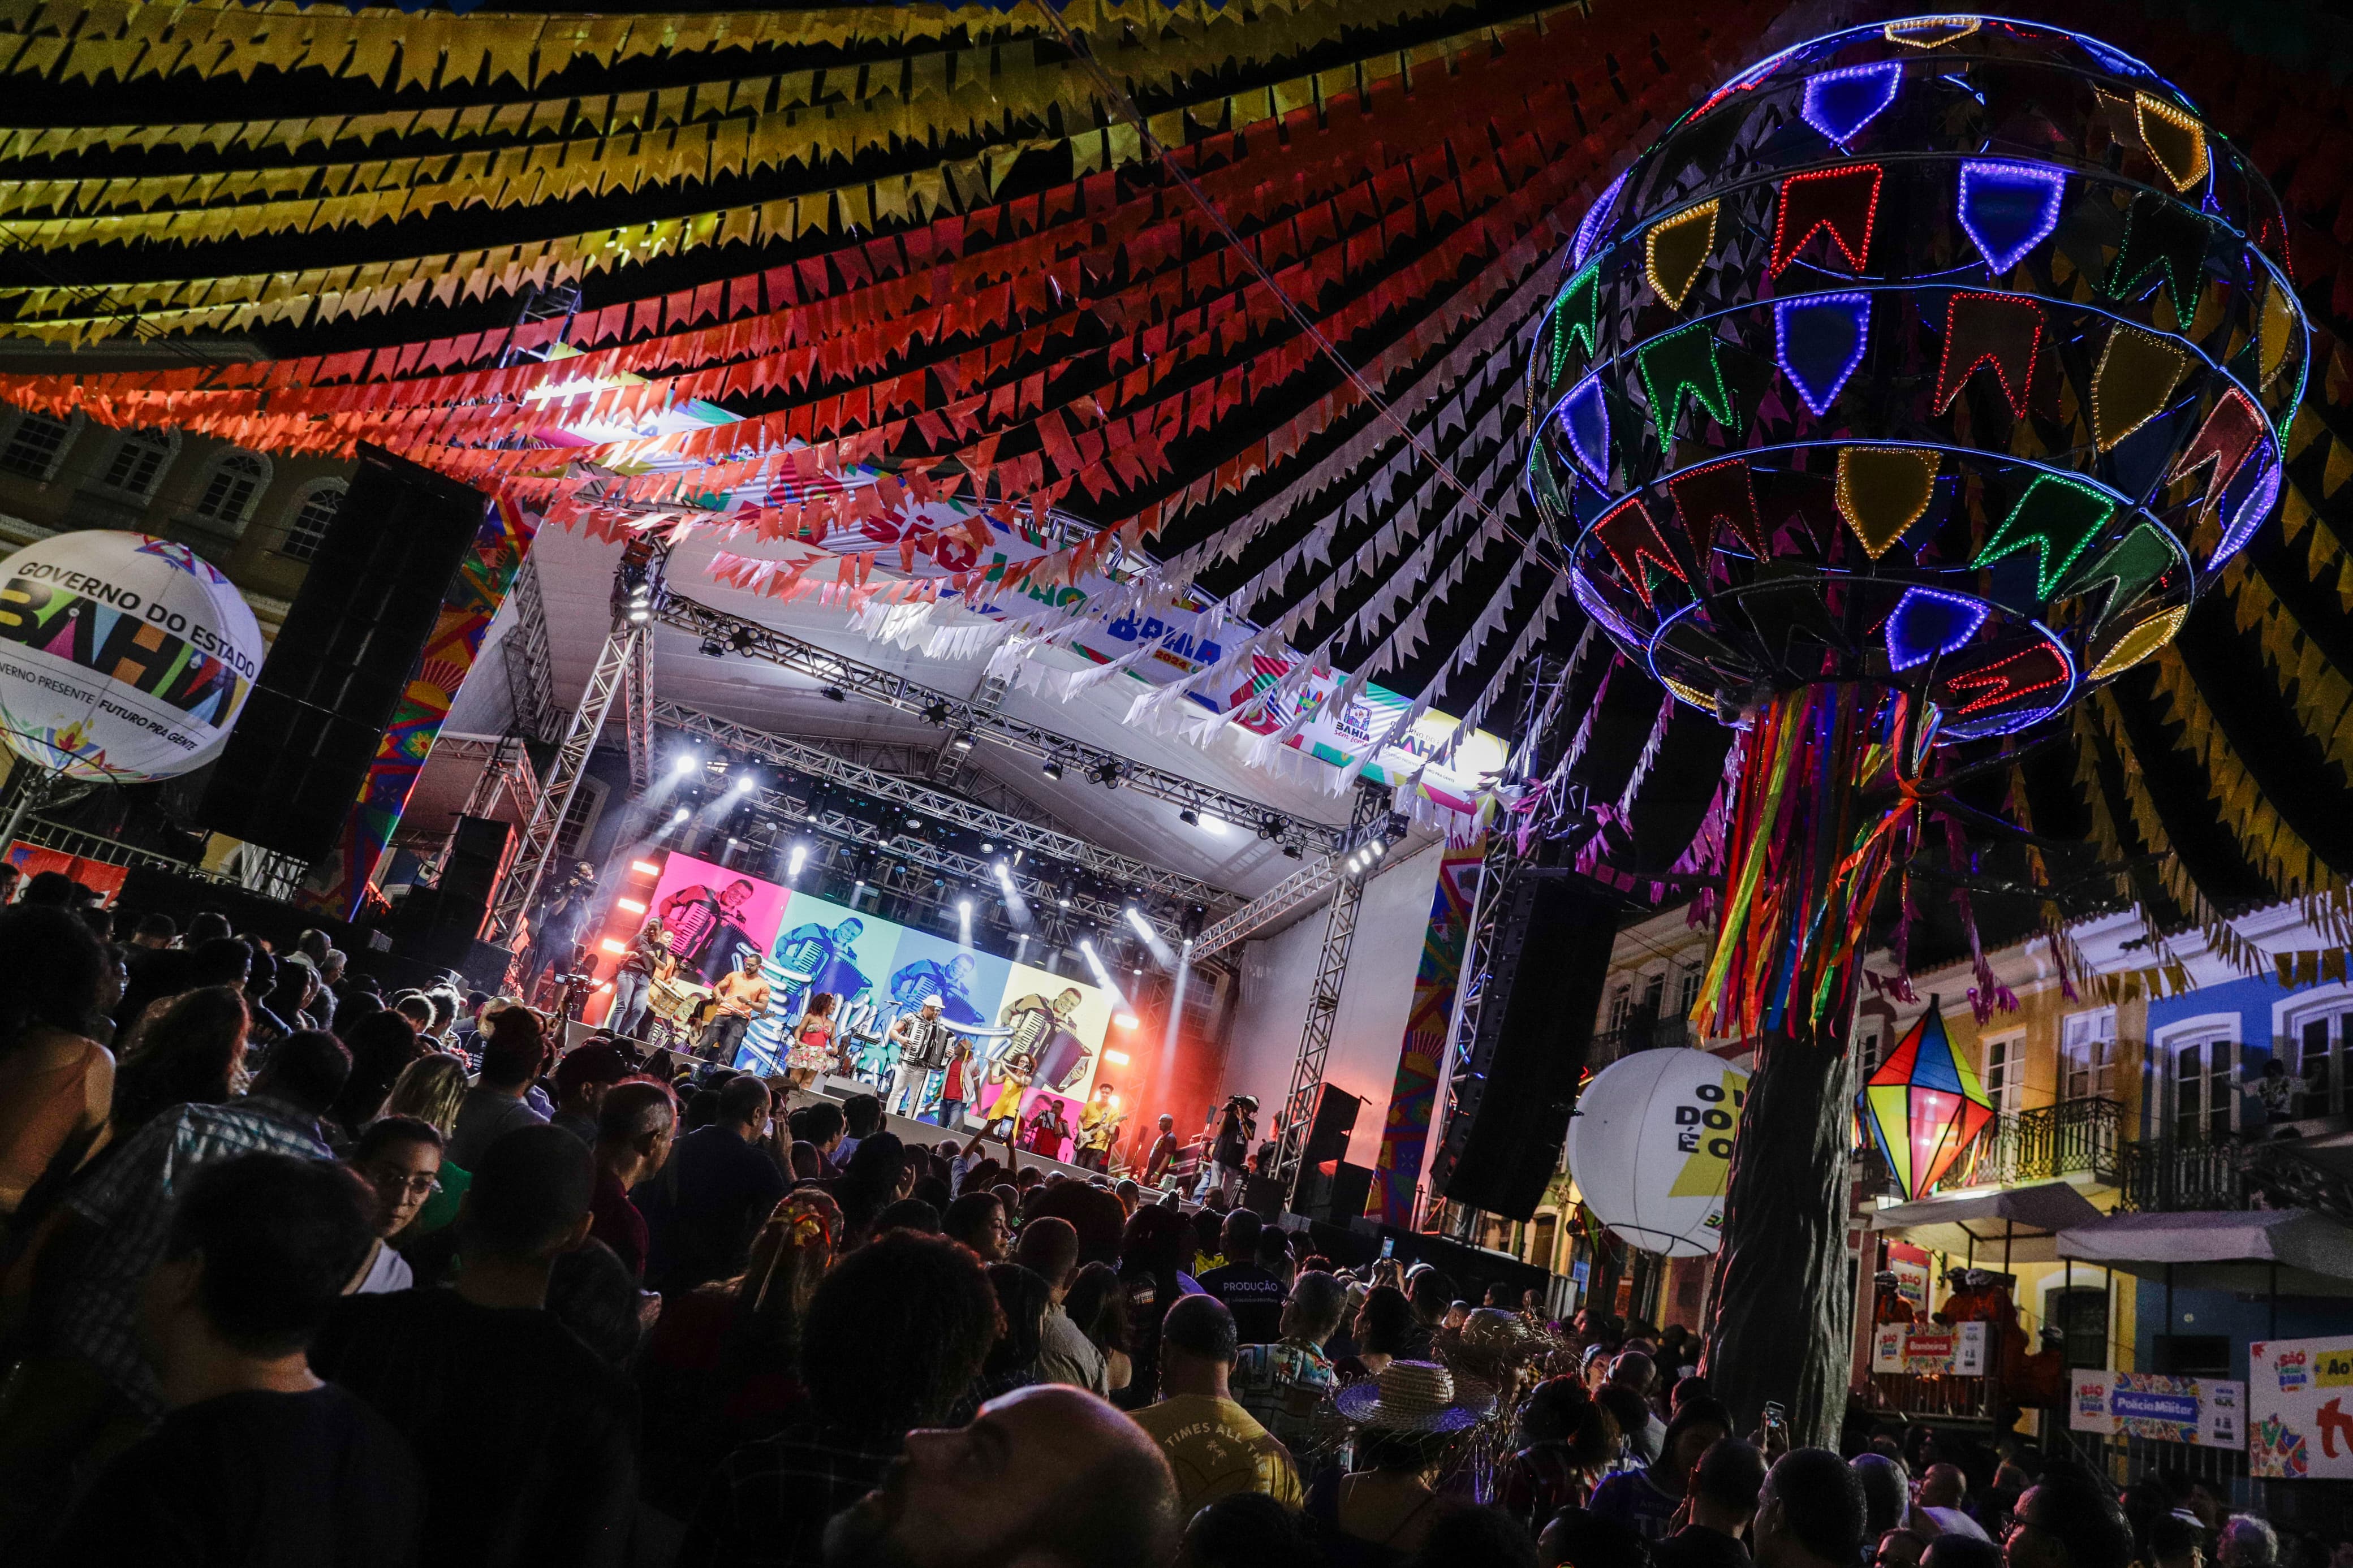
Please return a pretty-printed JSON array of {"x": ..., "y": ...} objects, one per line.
[
  {"x": 236, "y": 484},
  {"x": 312, "y": 516},
  {"x": 36, "y": 446},
  {"x": 138, "y": 461}
]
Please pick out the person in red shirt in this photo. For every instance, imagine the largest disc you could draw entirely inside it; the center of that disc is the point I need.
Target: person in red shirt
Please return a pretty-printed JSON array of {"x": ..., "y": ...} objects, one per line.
[
  {"x": 956, "y": 1089},
  {"x": 633, "y": 1126},
  {"x": 1888, "y": 1305}
]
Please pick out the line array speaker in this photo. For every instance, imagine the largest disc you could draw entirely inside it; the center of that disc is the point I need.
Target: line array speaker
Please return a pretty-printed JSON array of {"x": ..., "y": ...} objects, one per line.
[
  {"x": 1517, "y": 1087},
  {"x": 296, "y": 763}
]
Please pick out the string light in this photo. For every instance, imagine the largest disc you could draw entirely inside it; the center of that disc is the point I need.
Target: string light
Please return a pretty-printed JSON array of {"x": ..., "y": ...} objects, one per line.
[
  {"x": 2140, "y": 642},
  {"x": 2007, "y": 209},
  {"x": 2250, "y": 515},
  {"x": 1785, "y": 248},
  {"x": 1589, "y": 228},
  {"x": 1839, "y": 104},
  {"x": 1930, "y": 32},
  {"x": 2068, "y": 505},
  {"x": 1949, "y": 380},
  {"x": 1584, "y": 417},
  {"x": 1714, "y": 397},
  {"x": 1685, "y": 252},
  {"x": 1854, "y": 309},
  {"x": 2001, "y": 689},
  {"x": 2181, "y": 157},
  {"x": 1630, "y": 537},
  {"x": 1877, "y": 534},
  {"x": 2148, "y": 371},
  {"x": 1952, "y": 620}
]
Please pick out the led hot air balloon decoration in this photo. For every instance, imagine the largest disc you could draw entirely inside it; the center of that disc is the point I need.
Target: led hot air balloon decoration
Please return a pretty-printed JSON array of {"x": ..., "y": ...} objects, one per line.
[{"x": 1924, "y": 1106}]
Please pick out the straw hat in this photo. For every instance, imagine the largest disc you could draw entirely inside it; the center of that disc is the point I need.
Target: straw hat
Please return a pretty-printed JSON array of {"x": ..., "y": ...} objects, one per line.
[{"x": 1413, "y": 1396}]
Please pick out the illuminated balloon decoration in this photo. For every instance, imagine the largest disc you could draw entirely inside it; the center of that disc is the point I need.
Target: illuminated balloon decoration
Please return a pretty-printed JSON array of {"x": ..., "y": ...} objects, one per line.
[
  {"x": 123, "y": 656},
  {"x": 1924, "y": 1106},
  {"x": 1649, "y": 1144},
  {"x": 1915, "y": 382}
]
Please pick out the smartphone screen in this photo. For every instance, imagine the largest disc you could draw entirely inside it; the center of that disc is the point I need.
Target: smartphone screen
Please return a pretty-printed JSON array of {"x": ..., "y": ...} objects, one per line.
[{"x": 1389, "y": 1247}]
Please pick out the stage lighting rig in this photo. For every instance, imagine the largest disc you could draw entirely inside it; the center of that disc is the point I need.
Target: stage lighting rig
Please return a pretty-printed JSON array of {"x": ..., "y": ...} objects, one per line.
[
  {"x": 744, "y": 642},
  {"x": 1053, "y": 770},
  {"x": 1106, "y": 773},
  {"x": 936, "y": 713},
  {"x": 714, "y": 648},
  {"x": 836, "y": 694},
  {"x": 1271, "y": 826}
]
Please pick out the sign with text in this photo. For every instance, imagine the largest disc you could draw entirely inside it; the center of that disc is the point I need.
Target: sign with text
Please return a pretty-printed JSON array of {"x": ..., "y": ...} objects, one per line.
[
  {"x": 2297, "y": 1425},
  {"x": 1960, "y": 1349},
  {"x": 2208, "y": 1412}
]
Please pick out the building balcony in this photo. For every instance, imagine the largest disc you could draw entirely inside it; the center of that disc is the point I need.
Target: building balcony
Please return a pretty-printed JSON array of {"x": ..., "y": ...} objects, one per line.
[
  {"x": 2079, "y": 1138},
  {"x": 2167, "y": 1177},
  {"x": 1639, "y": 1033}
]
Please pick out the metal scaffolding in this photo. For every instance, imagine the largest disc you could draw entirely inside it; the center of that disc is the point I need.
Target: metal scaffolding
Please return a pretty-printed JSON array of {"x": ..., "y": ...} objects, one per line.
[
  {"x": 530, "y": 681},
  {"x": 968, "y": 715},
  {"x": 1367, "y": 821},
  {"x": 947, "y": 767},
  {"x": 825, "y": 766},
  {"x": 1303, "y": 886}
]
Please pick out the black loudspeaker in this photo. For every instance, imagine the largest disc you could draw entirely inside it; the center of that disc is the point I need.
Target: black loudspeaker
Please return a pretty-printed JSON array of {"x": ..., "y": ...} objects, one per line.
[
  {"x": 462, "y": 899},
  {"x": 1517, "y": 1087},
  {"x": 294, "y": 765},
  {"x": 1327, "y": 1134},
  {"x": 1262, "y": 1195},
  {"x": 1346, "y": 1188}
]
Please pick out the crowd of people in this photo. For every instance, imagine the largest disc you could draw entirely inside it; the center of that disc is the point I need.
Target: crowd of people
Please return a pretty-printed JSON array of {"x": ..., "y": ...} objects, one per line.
[{"x": 298, "y": 1273}]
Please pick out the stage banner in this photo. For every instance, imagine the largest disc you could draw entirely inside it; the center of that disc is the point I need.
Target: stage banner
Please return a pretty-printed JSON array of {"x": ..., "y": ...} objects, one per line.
[
  {"x": 32, "y": 860},
  {"x": 1959, "y": 1351},
  {"x": 2208, "y": 1412},
  {"x": 1413, "y": 1096},
  {"x": 2297, "y": 1425},
  {"x": 336, "y": 884}
]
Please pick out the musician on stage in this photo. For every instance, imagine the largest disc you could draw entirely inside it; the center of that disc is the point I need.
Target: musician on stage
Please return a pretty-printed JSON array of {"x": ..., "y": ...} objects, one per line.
[
  {"x": 633, "y": 982},
  {"x": 742, "y": 995},
  {"x": 1098, "y": 1128},
  {"x": 1046, "y": 1130},
  {"x": 923, "y": 1041}
]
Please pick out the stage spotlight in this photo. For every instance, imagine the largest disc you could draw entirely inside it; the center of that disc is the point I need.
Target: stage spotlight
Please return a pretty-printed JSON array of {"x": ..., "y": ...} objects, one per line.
[
  {"x": 1189, "y": 817},
  {"x": 836, "y": 694},
  {"x": 1106, "y": 773},
  {"x": 680, "y": 815},
  {"x": 714, "y": 648},
  {"x": 799, "y": 858},
  {"x": 686, "y": 761},
  {"x": 1115, "y": 1059},
  {"x": 1379, "y": 846},
  {"x": 1295, "y": 852},
  {"x": 914, "y": 824},
  {"x": 645, "y": 867},
  {"x": 744, "y": 641},
  {"x": 1269, "y": 826},
  {"x": 1126, "y": 1020},
  {"x": 987, "y": 848},
  {"x": 963, "y": 743},
  {"x": 1053, "y": 770},
  {"x": 746, "y": 782},
  {"x": 936, "y": 713}
]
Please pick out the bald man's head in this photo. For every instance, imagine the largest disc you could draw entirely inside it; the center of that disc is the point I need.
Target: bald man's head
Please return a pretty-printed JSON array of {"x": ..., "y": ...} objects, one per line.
[
  {"x": 1048, "y": 1474},
  {"x": 1943, "y": 1487}
]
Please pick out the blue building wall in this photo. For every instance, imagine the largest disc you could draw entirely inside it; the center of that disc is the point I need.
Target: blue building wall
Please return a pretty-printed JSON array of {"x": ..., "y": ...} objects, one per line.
[
  {"x": 2244, "y": 1318},
  {"x": 2250, "y": 998}
]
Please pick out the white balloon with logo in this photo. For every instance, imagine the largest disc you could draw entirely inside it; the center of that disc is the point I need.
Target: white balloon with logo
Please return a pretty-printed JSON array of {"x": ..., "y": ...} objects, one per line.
[
  {"x": 123, "y": 656},
  {"x": 1650, "y": 1145}
]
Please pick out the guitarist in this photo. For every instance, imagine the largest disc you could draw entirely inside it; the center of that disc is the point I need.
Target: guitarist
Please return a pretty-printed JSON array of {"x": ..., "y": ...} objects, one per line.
[{"x": 742, "y": 996}]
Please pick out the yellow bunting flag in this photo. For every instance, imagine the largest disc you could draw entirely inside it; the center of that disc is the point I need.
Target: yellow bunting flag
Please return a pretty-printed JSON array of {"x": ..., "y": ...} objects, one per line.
[
  {"x": 2136, "y": 374},
  {"x": 1675, "y": 249},
  {"x": 1883, "y": 490}
]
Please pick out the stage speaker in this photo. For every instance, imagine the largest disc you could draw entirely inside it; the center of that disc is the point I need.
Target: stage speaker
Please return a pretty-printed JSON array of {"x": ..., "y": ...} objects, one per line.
[
  {"x": 1262, "y": 1195},
  {"x": 462, "y": 899},
  {"x": 1516, "y": 1086},
  {"x": 299, "y": 757},
  {"x": 1327, "y": 1134},
  {"x": 1345, "y": 1189}
]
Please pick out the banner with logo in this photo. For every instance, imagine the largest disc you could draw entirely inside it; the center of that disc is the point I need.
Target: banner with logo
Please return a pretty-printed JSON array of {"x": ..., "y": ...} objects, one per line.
[
  {"x": 2208, "y": 1412},
  {"x": 2297, "y": 1425},
  {"x": 1959, "y": 1350}
]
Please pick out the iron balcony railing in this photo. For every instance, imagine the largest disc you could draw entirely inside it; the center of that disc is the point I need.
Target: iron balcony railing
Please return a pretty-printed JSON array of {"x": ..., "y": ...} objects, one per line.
[
  {"x": 1639, "y": 1033},
  {"x": 2167, "y": 1177},
  {"x": 2072, "y": 1138}
]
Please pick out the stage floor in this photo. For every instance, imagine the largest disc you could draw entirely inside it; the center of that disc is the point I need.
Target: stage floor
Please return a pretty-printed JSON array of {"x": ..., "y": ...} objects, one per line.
[{"x": 931, "y": 1133}]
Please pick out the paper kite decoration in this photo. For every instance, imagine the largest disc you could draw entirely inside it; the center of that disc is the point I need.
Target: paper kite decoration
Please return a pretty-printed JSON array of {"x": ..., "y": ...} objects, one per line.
[{"x": 1923, "y": 1105}]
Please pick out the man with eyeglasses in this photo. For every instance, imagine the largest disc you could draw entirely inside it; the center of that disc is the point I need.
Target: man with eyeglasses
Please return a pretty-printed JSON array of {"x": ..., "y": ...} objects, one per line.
[{"x": 399, "y": 1158}]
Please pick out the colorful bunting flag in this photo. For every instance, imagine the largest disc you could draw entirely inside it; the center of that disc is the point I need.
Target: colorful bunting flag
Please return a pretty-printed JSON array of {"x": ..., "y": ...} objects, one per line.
[
  {"x": 1844, "y": 202},
  {"x": 1999, "y": 330},
  {"x": 2057, "y": 517},
  {"x": 1883, "y": 490},
  {"x": 1687, "y": 361}
]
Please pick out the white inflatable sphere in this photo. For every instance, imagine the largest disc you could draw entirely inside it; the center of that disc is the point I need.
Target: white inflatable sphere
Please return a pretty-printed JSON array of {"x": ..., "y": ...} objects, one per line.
[
  {"x": 123, "y": 656},
  {"x": 1650, "y": 1144}
]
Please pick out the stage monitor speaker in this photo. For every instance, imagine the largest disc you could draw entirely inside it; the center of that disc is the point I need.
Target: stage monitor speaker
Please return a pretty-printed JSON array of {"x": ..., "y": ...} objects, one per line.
[
  {"x": 299, "y": 757},
  {"x": 1262, "y": 1195},
  {"x": 1516, "y": 1086},
  {"x": 1327, "y": 1134}
]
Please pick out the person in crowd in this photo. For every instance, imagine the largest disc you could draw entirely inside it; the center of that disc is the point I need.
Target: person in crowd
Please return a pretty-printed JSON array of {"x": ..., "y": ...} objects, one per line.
[
  {"x": 908, "y": 1214},
  {"x": 257, "y": 1460},
  {"x": 1432, "y": 1294},
  {"x": 861, "y": 1118},
  {"x": 1012, "y": 1363},
  {"x": 1047, "y": 1476},
  {"x": 1407, "y": 1425},
  {"x": 1284, "y": 1385},
  {"x": 878, "y": 1175},
  {"x": 978, "y": 1220},
  {"x": 1886, "y": 1492},
  {"x": 114, "y": 1224},
  {"x": 495, "y": 1105},
  {"x": 399, "y": 1158},
  {"x": 1253, "y": 1294},
  {"x": 57, "y": 1084},
  {"x": 1561, "y": 1439},
  {"x": 1476, "y": 1538},
  {"x": 821, "y": 1126},
  {"x": 1644, "y": 1500},
  {"x": 1383, "y": 1326},
  {"x": 188, "y": 1048},
  {"x": 1943, "y": 1490},
  {"x": 1050, "y": 1249},
  {"x": 582, "y": 1080},
  {"x": 382, "y": 1046},
  {"x": 1723, "y": 1492},
  {"x": 1810, "y": 1513},
  {"x": 1213, "y": 1444},
  {"x": 1968, "y": 1551},
  {"x": 1638, "y": 1372},
  {"x": 1631, "y": 1413},
  {"x": 635, "y": 1123},
  {"x": 432, "y": 1089},
  {"x": 2247, "y": 1541},
  {"x": 2173, "y": 1542},
  {"x": 526, "y": 1438},
  {"x": 1247, "y": 1530},
  {"x": 895, "y": 1334},
  {"x": 593, "y": 1293},
  {"x": 710, "y": 1197},
  {"x": 1155, "y": 1257},
  {"x": 1097, "y": 1304},
  {"x": 1899, "y": 1549}
]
